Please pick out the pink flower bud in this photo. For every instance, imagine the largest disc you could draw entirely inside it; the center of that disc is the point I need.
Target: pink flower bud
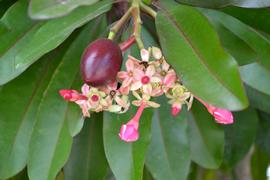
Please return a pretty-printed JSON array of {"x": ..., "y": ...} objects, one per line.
[
  {"x": 222, "y": 116},
  {"x": 71, "y": 95},
  {"x": 129, "y": 132},
  {"x": 175, "y": 110}
]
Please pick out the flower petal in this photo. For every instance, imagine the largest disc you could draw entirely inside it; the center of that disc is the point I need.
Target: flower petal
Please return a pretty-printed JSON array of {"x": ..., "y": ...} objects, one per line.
[
  {"x": 145, "y": 55},
  {"x": 130, "y": 65},
  {"x": 150, "y": 71},
  {"x": 136, "y": 85},
  {"x": 122, "y": 75},
  {"x": 85, "y": 89}
]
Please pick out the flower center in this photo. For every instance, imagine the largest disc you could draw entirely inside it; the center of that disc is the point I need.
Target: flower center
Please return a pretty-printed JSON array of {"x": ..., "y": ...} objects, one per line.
[
  {"x": 130, "y": 74},
  {"x": 145, "y": 79},
  {"x": 163, "y": 73},
  {"x": 95, "y": 98},
  {"x": 112, "y": 93}
]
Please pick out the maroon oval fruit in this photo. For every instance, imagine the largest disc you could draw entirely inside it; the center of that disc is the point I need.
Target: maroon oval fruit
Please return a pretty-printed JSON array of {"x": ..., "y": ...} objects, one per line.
[{"x": 101, "y": 61}]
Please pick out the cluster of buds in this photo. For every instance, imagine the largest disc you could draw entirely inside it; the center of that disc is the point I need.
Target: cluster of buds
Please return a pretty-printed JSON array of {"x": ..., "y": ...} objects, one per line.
[{"x": 144, "y": 79}]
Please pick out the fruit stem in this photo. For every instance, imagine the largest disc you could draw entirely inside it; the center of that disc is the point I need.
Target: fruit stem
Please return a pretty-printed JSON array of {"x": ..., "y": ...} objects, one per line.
[
  {"x": 127, "y": 44},
  {"x": 137, "y": 22},
  {"x": 119, "y": 24},
  {"x": 148, "y": 10}
]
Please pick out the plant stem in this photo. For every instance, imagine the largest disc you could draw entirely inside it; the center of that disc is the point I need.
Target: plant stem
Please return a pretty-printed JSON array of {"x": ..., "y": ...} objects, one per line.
[
  {"x": 127, "y": 44},
  {"x": 137, "y": 22},
  {"x": 148, "y": 10},
  {"x": 119, "y": 24}
]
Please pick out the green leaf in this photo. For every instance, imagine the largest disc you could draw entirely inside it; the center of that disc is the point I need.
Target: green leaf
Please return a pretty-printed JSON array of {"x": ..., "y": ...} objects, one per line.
[
  {"x": 256, "y": 18},
  {"x": 126, "y": 160},
  {"x": 258, "y": 99},
  {"x": 206, "y": 138},
  {"x": 17, "y": 119},
  {"x": 256, "y": 77},
  {"x": 168, "y": 154},
  {"x": 239, "y": 136},
  {"x": 223, "y": 3},
  {"x": 74, "y": 115},
  {"x": 51, "y": 141},
  {"x": 87, "y": 160},
  {"x": 259, "y": 164},
  {"x": 40, "y": 37},
  {"x": 234, "y": 45},
  {"x": 45, "y": 9},
  {"x": 256, "y": 41},
  {"x": 203, "y": 65},
  {"x": 263, "y": 132}
]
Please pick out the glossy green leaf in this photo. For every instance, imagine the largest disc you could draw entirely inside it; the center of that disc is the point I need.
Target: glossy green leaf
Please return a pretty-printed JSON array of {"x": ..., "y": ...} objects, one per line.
[
  {"x": 4, "y": 5},
  {"x": 256, "y": 18},
  {"x": 223, "y": 3},
  {"x": 206, "y": 138},
  {"x": 259, "y": 164},
  {"x": 203, "y": 65},
  {"x": 45, "y": 9},
  {"x": 255, "y": 40},
  {"x": 126, "y": 160},
  {"x": 240, "y": 136},
  {"x": 74, "y": 115},
  {"x": 256, "y": 77},
  {"x": 263, "y": 133},
  {"x": 258, "y": 99},
  {"x": 147, "y": 175},
  {"x": 16, "y": 128},
  {"x": 234, "y": 45},
  {"x": 40, "y": 37},
  {"x": 87, "y": 160},
  {"x": 168, "y": 154},
  {"x": 51, "y": 141}
]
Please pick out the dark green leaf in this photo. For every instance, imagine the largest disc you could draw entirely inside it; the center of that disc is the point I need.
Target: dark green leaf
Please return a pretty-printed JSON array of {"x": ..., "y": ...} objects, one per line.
[
  {"x": 168, "y": 154},
  {"x": 40, "y": 37},
  {"x": 19, "y": 104},
  {"x": 87, "y": 160},
  {"x": 51, "y": 141},
  {"x": 263, "y": 133},
  {"x": 240, "y": 136},
  {"x": 256, "y": 18},
  {"x": 223, "y": 3},
  {"x": 206, "y": 138},
  {"x": 203, "y": 65},
  {"x": 45, "y": 9},
  {"x": 259, "y": 164},
  {"x": 237, "y": 47},
  {"x": 256, "y": 41},
  {"x": 256, "y": 77},
  {"x": 126, "y": 160},
  {"x": 147, "y": 175},
  {"x": 258, "y": 99}
]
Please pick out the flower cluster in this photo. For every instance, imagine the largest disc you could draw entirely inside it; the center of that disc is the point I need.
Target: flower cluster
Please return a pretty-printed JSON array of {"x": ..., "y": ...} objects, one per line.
[{"x": 150, "y": 77}]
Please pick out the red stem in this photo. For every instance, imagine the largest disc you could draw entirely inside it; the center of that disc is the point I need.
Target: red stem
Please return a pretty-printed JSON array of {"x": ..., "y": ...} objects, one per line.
[{"x": 127, "y": 44}]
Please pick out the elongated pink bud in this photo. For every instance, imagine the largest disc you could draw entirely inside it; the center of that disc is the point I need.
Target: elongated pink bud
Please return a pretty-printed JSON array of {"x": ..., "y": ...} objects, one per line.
[
  {"x": 222, "y": 116},
  {"x": 71, "y": 95},
  {"x": 129, "y": 132}
]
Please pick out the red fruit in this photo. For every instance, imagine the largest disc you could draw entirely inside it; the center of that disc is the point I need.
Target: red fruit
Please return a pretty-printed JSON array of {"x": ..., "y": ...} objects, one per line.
[{"x": 100, "y": 63}]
